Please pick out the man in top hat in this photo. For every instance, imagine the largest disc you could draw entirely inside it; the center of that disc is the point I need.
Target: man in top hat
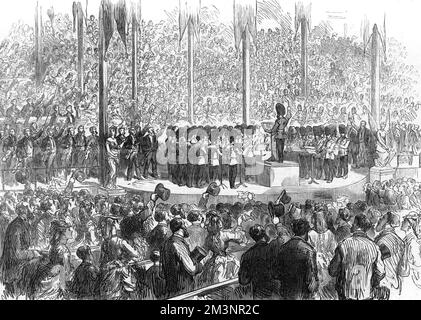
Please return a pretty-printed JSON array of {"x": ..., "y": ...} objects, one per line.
[
  {"x": 343, "y": 145},
  {"x": 279, "y": 130}
]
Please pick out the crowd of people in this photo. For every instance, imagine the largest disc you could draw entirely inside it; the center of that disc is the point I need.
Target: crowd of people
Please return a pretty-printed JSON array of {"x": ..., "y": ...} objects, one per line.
[
  {"x": 73, "y": 245},
  {"x": 338, "y": 73}
]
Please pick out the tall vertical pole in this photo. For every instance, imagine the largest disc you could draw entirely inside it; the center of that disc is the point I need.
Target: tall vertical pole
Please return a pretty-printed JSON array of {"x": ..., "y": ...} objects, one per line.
[
  {"x": 134, "y": 56},
  {"x": 304, "y": 57},
  {"x": 37, "y": 39},
  {"x": 375, "y": 77},
  {"x": 103, "y": 104},
  {"x": 80, "y": 51},
  {"x": 190, "y": 75},
  {"x": 246, "y": 76}
]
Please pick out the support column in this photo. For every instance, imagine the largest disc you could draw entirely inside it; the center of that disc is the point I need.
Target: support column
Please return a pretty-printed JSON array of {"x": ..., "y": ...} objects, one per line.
[
  {"x": 38, "y": 48},
  {"x": 103, "y": 101},
  {"x": 80, "y": 59},
  {"x": 246, "y": 76},
  {"x": 304, "y": 57},
  {"x": 134, "y": 57},
  {"x": 375, "y": 77},
  {"x": 190, "y": 75}
]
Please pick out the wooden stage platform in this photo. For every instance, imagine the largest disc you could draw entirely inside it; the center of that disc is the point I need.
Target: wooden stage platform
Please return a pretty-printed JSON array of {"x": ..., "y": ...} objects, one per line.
[{"x": 352, "y": 187}]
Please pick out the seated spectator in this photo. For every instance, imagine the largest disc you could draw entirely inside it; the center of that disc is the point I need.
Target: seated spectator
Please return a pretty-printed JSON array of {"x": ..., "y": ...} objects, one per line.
[{"x": 85, "y": 281}]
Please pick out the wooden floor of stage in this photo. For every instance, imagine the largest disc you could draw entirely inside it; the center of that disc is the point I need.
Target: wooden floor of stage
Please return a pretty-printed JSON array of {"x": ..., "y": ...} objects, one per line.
[{"x": 351, "y": 187}]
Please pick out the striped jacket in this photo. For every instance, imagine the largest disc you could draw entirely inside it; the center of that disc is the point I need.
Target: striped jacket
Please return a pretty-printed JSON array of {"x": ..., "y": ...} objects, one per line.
[{"x": 357, "y": 264}]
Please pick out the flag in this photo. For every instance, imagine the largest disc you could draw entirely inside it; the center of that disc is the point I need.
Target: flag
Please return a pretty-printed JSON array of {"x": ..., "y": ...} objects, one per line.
[
  {"x": 77, "y": 15},
  {"x": 245, "y": 12},
  {"x": 137, "y": 10},
  {"x": 189, "y": 12},
  {"x": 302, "y": 12},
  {"x": 108, "y": 22},
  {"x": 120, "y": 16}
]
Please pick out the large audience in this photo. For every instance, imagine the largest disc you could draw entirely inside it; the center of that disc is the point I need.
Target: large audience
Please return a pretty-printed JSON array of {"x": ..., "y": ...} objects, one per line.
[{"x": 67, "y": 248}]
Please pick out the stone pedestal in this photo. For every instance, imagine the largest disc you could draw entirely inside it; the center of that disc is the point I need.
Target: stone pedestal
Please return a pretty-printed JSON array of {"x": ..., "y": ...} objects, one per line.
[
  {"x": 276, "y": 174},
  {"x": 381, "y": 174}
]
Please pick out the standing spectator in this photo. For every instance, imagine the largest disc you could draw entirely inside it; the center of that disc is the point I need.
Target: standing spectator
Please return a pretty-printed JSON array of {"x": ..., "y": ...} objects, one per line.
[
  {"x": 295, "y": 265},
  {"x": 357, "y": 264}
]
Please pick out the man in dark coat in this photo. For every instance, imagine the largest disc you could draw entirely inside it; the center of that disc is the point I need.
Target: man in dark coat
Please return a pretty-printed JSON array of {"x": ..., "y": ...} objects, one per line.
[
  {"x": 16, "y": 251},
  {"x": 295, "y": 265},
  {"x": 157, "y": 237},
  {"x": 149, "y": 149},
  {"x": 178, "y": 267},
  {"x": 255, "y": 267},
  {"x": 130, "y": 154},
  {"x": 85, "y": 278}
]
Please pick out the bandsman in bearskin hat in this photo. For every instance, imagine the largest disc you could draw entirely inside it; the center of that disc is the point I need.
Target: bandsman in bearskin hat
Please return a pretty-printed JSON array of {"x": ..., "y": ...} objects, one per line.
[
  {"x": 320, "y": 141},
  {"x": 331, "y": 154},
  {"x": 309, "y": 155},
  {"x": 279, "y": 130},
  {"x": 343, "y": 145}
]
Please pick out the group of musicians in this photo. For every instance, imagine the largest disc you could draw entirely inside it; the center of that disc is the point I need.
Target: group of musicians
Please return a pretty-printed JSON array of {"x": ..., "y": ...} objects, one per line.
[
  {"x": 320, "y": 152},
  {"x": 198, "y": 155}
]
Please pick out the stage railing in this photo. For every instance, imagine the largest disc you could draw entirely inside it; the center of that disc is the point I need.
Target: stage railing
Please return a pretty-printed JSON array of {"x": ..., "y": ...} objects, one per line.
[
  {"x": 40, "y": 169},
  {"x": 207, "y": 290}
]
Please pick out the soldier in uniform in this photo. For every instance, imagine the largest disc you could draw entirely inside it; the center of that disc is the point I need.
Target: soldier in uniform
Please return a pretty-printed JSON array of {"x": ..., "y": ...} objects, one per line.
[
  {"x": 319, "y": 156},
  {"x": 279, "y": 130},
  {"x": 191, "y": 161},
  {"x": 310, "y": 153},
  {"x": 343, "y": 144},
  {"x": 329, "y": 162}
]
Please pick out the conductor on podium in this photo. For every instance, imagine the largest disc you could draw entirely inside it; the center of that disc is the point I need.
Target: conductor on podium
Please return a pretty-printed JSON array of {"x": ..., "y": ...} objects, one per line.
[{"x": 279, "y": 130}]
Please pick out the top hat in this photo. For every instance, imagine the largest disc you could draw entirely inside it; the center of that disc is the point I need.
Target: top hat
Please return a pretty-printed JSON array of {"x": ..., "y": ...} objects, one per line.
[
  {"x": 280, "y": 109},
  {"x": 276, "y": 210},
  {"x": 327, "y": 130},
  {"x": 283, "y": 198},
  {"x": 213, "y": 189},
  {"x": 342, "y": 129},
  {"x": 309, "y": 129},
  {"x": 162, "y": 192},
  {"x": 303, "y": 131}
]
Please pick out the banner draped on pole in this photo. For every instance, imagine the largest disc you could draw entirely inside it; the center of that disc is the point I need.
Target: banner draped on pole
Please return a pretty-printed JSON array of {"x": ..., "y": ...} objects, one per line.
[
  {"x": 137, "y": 10},
  {"x": 77, "y": 14},
  {"x": 120, "y": 16},
  {"x": 189, "y": 12},
  {"x": 302, "y": 12},
  {"x": 245, "y": 12},
  {"x": 108, "y": 22}
]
